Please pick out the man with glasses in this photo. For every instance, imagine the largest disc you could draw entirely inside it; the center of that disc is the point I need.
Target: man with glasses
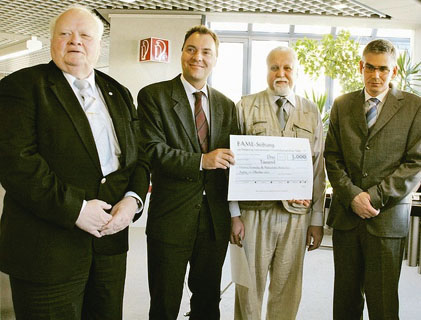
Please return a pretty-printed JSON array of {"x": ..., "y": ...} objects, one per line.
[{"x": 373, "y": 160}]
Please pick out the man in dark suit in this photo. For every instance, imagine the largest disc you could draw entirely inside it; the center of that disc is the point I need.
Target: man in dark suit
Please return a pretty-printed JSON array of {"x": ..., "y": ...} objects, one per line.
[
  {"x": 186, "y": 136},
  {"x": 74, "y": 178},
  {"x": 373, "y": 160}
]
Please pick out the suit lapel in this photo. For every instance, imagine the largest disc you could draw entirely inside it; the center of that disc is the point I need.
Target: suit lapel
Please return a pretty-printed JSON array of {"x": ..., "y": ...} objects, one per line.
[
  {"x": 71, "y": 105},
  {"x": 184, "y": 113},
  {"x": 112, "y": 101},
  {"x": 216, "y": 117},
  {"x": 358, "y": 112},
  {"x": 390, "y": 107}
]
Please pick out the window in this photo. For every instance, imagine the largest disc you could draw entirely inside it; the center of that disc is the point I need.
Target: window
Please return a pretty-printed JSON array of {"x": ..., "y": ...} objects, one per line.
[
  {"x": 228, "y": 26},
  {"x": 241, "y": 67},
  {"x": 394, "y": 33},
  {"x": 362, "y": 32},
  {"x": 259, "y": 51},
  {"x": 230, "y": 58},
  {"x": 270, "y": 27},
  {"x": 312, "y": 29}
]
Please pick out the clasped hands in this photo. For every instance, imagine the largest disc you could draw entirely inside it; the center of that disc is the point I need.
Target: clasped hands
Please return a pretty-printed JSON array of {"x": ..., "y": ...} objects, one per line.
[
  {"x": 96, "y": 221},
  {"x": 361, "y": 205}
]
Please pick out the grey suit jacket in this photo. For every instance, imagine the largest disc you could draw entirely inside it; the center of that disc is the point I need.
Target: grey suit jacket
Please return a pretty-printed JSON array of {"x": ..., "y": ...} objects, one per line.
[
  {"x": 385, "y": 161},
  {"x": 168, "y": 134}
]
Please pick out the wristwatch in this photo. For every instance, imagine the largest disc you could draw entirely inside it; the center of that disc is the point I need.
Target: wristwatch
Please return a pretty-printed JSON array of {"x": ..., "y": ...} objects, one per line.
[{"x": 138, "y": 202}]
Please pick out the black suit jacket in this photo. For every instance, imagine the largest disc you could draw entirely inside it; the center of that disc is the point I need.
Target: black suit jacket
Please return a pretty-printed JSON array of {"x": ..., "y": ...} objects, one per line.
[
  {"x": 49, "y": 165},
  {"x": 385, "y": 161},
  {"x": 169, "y": 137}
]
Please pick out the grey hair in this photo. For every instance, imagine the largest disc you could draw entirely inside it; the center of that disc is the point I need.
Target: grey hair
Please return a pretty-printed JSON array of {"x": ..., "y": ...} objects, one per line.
[
  {"x": 79, "y": 8},
  {"x": 381, "y": 46},
  {"x": 283, "y": 49}
]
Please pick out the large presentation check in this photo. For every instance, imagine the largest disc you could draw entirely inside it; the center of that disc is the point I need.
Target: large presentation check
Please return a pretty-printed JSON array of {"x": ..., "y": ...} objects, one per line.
[{"x": 270, "y": 168}]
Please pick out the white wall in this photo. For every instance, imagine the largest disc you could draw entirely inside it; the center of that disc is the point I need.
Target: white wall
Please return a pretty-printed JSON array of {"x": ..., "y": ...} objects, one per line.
[{"x": 126, "y": 32}]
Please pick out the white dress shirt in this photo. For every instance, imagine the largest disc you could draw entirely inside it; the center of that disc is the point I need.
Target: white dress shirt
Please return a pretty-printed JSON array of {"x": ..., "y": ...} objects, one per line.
[{"x": 114, "y": 163}]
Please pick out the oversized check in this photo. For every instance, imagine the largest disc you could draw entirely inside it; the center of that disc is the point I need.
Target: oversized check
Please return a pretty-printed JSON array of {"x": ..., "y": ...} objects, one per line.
[{"x": 270, "y": 168}]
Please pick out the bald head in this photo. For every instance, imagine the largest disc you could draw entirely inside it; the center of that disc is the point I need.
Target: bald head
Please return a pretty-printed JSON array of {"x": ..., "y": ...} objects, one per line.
[{"x": 75, "y": 41}]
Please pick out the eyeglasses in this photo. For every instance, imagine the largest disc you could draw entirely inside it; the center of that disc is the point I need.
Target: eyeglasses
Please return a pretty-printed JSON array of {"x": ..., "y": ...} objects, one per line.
[{"x": 370, "y": 69}]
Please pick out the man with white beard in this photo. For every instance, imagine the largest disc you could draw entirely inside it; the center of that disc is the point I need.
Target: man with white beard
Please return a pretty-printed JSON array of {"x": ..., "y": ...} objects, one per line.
[{"x": 277, "y": 232}]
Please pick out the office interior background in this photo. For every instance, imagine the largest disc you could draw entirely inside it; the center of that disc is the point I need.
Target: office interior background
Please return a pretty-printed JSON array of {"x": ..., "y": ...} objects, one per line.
[{"x": 248, "y": 30}]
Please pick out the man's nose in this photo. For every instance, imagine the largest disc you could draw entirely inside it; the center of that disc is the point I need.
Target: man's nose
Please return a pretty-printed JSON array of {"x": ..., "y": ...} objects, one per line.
[
  {"x": 75, "y": 38},
  {"x": 377, "y": 72},
  {"x": 280, "y": 73},
  {"x": 198, "y": 56}
]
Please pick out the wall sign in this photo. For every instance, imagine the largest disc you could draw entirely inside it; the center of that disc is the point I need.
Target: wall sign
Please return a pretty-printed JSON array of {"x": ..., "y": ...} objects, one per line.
[{"x": 154, "y": 49}]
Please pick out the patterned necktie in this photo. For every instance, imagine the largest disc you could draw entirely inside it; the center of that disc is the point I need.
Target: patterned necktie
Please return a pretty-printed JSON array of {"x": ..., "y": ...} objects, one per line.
[
  {"x": 281, "y": 112},
  {"x": 371, "y": 114},
  {"x": 201, "y": 123},
  {"x": 85, "y": 92},
  {"x": 98, "y": 123}
]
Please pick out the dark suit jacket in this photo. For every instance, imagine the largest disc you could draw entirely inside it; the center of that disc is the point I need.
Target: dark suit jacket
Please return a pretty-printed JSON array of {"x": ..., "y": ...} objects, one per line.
[
  {"x": 384, "y": 162},
  {"x": 49, "y": 165},
  {"x": 169, "y": 137}
]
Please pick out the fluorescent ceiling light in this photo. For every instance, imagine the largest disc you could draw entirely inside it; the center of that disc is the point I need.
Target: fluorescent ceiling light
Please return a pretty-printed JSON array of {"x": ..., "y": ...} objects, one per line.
[
  {"x": 128, "y": 1},
  {"x": 20, "y": 49}
]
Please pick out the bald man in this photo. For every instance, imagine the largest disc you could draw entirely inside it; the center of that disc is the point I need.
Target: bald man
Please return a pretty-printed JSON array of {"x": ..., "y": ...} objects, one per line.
[
  {"x": 277, "y": 231},
  {"x": 74, "y": 179}
]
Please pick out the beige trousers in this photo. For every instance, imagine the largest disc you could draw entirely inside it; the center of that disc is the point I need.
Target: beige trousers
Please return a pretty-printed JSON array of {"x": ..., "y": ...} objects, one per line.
[{"x": 274, "y": 243}]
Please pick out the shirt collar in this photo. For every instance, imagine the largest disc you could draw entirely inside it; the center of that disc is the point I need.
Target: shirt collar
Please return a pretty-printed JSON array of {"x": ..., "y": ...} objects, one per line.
[
  {"x": 381, "y": 96},
  {"x": 290, "y": 97},
  {"x": 190, "y": 89},
  {"x": 90, "y": 78}
]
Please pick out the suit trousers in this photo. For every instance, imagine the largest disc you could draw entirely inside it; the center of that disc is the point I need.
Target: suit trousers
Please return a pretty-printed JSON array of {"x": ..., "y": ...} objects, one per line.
[
  {"x": 370, "y": 265},
  {"x": 93, "y": 293},
  {"x": 167, "y": 265},
  {"x": 274, "y": 243}
]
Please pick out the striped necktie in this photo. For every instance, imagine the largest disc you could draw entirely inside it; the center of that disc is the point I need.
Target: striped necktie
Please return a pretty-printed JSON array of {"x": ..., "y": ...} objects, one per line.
[
  {"x": 201, "y": 122},
  {"x": 371, "y": 115}
]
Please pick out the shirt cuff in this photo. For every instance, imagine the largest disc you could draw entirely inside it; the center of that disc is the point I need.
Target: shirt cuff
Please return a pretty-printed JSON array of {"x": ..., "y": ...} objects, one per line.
[
  {"x": 234, "y": 209},
  {"x": 134, "y": 195},
  {"x": 317, "y": 219},
  {"x": 83, "y": 206},
  {"x": 201, "y": 161}
]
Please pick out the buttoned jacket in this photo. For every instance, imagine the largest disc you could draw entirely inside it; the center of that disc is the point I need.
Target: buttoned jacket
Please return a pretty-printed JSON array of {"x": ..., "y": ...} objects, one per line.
[{"x": 384, "y": 161}]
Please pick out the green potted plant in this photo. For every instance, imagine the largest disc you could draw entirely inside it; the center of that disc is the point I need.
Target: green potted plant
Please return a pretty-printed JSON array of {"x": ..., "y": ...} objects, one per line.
[{"x": 409, "y": 74}]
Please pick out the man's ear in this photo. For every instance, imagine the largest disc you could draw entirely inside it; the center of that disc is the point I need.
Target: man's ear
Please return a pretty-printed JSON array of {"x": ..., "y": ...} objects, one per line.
[
  {"x": 361, "y": 66},
  {"x": 395, "y": 72}
]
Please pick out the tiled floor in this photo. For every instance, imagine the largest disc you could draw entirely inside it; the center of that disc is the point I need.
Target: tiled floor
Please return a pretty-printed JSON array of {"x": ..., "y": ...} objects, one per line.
[
  {"x": 316, "y": 303},
  {"x": 317, "y": 294}
]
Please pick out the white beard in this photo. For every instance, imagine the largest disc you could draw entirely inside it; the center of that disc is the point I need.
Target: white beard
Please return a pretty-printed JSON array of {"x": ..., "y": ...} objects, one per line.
[{"x": 280, "y": 91}]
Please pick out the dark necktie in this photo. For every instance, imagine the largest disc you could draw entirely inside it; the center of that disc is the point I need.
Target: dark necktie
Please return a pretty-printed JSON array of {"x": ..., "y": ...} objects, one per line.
[
  {"x": 281, "y": 113},
  {"x": 201, "y": 123},
  {"x": 371, "y": 114}
]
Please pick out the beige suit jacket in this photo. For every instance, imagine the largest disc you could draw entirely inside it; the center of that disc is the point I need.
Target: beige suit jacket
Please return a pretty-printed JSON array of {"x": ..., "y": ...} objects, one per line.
[{"x": 256, "y": 116}]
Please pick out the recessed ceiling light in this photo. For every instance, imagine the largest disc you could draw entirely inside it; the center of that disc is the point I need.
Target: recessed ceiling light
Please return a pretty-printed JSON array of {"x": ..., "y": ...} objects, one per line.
[{"x": 340, "y": 6}]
